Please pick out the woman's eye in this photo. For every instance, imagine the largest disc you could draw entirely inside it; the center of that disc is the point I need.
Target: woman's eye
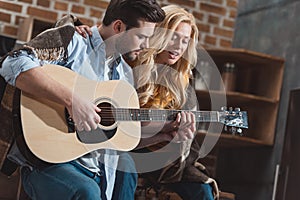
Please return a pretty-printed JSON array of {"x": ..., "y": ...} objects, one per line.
[
  {"x": 186, "y": 41},
  {"x": 174, "y": 37}
]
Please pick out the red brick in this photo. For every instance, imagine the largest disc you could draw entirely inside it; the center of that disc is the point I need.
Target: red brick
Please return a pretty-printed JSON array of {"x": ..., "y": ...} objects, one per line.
[
  {"x": 228, "y": 23},
  {"x": 61, "y": 6},
  {"x": 203, "y": 27},
  {"x": 198, "y": 15},
  {"x": 86, "y": 21},
  {"x": 212, "y": 8},
  {"x": 233, "y": 14},
  {"x": 10, "y": 6},
  {"x": 213, "y": 19},
  {"x": 188, "y": 3},
  {"x": 78, "y": 9},
  {"x": 97, "y": 3},
  {"x": 19, "y": 19},
  {"x": 44, "y": 3},
  {"x": 95, "y": 13},
  {"x": 73, "y": 0},
  {"x": 210, "y": 40},
  {"x": 223, "y": 32},
  {"x": 26, "y": 1},
  {"x": 225, "y": 43},
  {"x": 42, "y": 13},
  {"x": 232, "y": 3},
  {"x": 10, "y": 30},
  {"x": 4, "y": 17}
]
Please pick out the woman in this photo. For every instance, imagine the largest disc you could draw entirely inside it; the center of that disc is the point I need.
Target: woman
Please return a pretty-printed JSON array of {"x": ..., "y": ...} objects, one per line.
[{"x": 171, "y": 58}]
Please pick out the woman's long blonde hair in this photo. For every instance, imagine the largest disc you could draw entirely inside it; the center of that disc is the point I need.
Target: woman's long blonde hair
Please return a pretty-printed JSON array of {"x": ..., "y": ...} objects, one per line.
[{"x": 168, "y": 89}]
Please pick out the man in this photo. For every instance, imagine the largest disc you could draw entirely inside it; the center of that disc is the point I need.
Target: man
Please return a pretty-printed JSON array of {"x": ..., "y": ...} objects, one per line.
[{"x": 126, "y": 28}]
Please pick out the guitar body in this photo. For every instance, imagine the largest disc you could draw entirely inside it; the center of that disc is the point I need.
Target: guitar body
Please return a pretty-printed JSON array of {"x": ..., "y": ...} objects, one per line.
[{"x": 45, "y": 127}]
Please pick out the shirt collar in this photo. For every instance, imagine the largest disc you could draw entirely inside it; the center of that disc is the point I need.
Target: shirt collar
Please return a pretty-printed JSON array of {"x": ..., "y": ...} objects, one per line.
[{"x": 96, "y": 37}]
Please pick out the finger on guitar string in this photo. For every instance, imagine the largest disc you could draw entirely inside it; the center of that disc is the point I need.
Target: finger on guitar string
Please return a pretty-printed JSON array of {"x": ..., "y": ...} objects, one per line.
[
  {"x": 183, "y": 119},
  {"x": 92, "y": 123},
  {"x": 186, "y": 128}
]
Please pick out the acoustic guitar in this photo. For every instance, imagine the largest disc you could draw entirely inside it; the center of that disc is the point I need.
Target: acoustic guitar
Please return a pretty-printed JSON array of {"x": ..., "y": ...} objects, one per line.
[{"x": 52, "y": 137}]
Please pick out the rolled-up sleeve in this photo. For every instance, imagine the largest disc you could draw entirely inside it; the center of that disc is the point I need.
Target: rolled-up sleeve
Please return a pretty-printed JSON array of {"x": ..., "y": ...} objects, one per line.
[{"x": 13, "y": 66}]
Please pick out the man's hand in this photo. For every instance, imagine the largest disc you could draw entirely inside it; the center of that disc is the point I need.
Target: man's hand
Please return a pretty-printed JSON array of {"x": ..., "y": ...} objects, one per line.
[
  {"x": 84, "y": 114},
  {"x": 83, "y": 30}
]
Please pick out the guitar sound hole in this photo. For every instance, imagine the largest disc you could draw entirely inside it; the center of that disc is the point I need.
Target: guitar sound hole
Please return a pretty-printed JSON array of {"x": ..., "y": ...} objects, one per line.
[{"x": 106, "y": 114}]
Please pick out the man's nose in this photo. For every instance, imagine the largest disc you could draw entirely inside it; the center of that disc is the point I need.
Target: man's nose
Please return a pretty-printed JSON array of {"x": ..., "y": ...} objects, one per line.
[{"x": 145, "y": 44}]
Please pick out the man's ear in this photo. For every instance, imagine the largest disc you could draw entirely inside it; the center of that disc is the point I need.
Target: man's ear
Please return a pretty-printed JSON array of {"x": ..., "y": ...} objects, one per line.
[{"x": 119, "y": 26}]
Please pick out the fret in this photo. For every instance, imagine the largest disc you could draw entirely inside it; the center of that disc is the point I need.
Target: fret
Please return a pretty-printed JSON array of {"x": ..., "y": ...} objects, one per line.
[{"x": 124, "y": 114}]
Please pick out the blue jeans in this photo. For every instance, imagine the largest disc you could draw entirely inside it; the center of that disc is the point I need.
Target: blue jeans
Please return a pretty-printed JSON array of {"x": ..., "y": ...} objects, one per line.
[
  {"x": 126, "y": 178},
  {"x": 192, "y": 190},
  {"x": 67, "y": 181}
]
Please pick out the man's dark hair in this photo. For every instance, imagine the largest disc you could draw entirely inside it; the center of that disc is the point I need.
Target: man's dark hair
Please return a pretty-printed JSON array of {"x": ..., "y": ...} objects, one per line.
[{"x": 130, "y": 11}]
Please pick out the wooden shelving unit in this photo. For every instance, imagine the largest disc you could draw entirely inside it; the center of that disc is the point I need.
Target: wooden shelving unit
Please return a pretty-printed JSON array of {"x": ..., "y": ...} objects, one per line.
[{"x": 257, "y": 90}]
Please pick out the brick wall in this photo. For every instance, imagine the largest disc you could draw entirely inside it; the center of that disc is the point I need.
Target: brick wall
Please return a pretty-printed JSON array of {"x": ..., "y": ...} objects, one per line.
[{"x": 215, "y": 18}]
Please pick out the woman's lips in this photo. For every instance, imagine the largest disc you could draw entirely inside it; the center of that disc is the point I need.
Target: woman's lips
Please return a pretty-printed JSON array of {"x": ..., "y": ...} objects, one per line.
[{"x": 173, "y": 54}]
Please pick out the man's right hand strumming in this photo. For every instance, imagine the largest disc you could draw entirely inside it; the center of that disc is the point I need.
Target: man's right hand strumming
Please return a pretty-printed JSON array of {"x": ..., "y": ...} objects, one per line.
[{"x": 84, "y": 114}]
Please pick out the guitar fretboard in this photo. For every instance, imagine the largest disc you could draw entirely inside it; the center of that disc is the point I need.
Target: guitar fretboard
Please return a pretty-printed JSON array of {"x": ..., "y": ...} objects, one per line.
[{"x": 124, "y": 114}]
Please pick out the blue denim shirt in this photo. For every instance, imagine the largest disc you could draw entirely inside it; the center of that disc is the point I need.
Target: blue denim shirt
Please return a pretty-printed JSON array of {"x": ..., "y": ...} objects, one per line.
[{"x": 87, "y": 57}]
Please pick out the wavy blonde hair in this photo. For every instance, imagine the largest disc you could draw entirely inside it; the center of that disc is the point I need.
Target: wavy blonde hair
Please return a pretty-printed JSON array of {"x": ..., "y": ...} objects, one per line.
[{"x": 168, "y": 89}]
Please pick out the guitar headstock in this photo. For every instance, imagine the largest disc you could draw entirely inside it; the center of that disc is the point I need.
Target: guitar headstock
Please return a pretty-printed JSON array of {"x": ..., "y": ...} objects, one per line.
[{"x": 233, "y": 118}]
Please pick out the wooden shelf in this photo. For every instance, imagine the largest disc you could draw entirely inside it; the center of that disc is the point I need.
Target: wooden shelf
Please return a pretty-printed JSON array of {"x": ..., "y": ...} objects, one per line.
[
  {"x": 254, "y": 80},
  {"x": 244, "y": 55},
  {"x": 257, "y": 81},
  {"x": 256, "y": 73},
  {"x": 232, "y": 141},
  {"x": 239, "y": 96}
]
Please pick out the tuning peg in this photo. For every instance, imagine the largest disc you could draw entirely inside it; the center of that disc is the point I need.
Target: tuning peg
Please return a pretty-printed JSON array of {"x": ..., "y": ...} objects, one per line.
[
  {"x": 230, "y": 109},
  {"x": 225, "y": 128}
]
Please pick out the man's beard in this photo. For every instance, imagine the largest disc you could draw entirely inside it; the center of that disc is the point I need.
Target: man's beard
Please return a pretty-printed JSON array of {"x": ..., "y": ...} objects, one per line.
[{"x": 129, "y": 56}]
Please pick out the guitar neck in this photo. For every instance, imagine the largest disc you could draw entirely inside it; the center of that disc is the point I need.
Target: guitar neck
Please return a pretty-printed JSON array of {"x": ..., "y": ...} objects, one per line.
[{"x": 146, "y": 115}]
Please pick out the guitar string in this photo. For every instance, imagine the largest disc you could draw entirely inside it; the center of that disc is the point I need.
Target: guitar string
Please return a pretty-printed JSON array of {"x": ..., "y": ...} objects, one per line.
[{"x": 145, "y": 114}]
